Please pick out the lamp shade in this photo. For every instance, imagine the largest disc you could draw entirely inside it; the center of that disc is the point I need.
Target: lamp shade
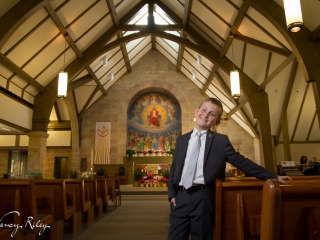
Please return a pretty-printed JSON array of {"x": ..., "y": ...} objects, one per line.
[
  {"x": 62, "y": 85},
  {"x": 105, "y": 61},
  {"x": 292, "y": 9},
  {"x": 235, "y": 84}
]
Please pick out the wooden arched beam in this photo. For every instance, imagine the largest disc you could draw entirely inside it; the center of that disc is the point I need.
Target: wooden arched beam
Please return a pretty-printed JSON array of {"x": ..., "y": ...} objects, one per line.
[
  {"x": 306, "y": 51},
  {"x": 16, "y": 16}
]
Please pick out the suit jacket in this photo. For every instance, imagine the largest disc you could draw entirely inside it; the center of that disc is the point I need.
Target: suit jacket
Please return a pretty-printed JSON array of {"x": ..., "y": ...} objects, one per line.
[{"x": 218, "y": 151}]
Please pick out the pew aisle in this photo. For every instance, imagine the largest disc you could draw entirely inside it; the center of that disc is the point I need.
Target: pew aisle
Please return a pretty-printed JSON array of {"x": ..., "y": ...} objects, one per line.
[{"x": 139, "y": 217}]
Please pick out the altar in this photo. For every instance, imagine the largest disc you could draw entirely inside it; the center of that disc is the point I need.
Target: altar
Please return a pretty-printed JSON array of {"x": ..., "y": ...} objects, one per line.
[
  {"x": 147, "y": 160},
  {"x": 149, "y": 164}
]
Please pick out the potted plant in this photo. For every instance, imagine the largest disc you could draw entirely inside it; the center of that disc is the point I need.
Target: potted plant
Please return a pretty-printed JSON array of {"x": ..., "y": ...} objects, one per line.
[
  {"x": 137, "y": 175},
  {"x": 73, "y": 174},
  {"x": 166, "y": 172},
  {"x": 130, "y": 152}
]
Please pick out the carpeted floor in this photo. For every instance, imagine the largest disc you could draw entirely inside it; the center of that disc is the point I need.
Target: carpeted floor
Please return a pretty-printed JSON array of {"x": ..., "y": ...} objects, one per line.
[{"x": 138, "y": 217}]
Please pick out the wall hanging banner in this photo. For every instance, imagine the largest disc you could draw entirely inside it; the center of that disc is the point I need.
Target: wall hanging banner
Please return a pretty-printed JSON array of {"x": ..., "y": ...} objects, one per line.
[{"x": 102, "y": 143}]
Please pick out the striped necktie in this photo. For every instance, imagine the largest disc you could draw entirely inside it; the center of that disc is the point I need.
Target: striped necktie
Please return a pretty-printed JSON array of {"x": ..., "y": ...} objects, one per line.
[{"x": 191, "y": 167}]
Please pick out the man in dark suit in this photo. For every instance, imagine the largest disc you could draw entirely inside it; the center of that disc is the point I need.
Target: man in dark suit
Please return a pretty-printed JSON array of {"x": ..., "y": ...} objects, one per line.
[{"x": 192, "y": 208}]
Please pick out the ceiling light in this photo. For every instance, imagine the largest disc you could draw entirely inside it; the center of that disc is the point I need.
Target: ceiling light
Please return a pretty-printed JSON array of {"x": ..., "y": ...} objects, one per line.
[
  {"x": 111, "y": 76},
  {"x": 105, "y": 61},
  {"x": 194, "y": 75},
  {"x": 292, "y": 9},
  {"x": 63, "y": 77},
  {"x": 7, "y": 129},
  {"x": 199, "y": 61},
  {"x": 234, "y": 80}
]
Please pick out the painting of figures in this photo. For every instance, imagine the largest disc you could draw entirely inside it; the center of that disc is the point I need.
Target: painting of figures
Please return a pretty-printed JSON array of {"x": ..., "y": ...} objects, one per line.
[{"x": 154, "y": 123}]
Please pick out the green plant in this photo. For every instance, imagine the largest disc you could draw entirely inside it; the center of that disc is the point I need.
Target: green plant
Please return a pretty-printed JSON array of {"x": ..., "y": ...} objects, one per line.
[
  {"x": 137, "y": 174},
  {"x": 166, "y": 172},
  {"x": 171, "y": 152},
  {"x": 73, "y": 174},
  {"x": 130, "y": 152}
]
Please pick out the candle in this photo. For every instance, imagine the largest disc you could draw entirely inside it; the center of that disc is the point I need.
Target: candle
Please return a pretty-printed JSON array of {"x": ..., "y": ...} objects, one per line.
[{"x": 133, "y": 164}]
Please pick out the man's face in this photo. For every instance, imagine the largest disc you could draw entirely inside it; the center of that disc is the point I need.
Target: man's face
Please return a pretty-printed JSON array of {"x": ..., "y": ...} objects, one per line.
[{"x": 207, "y": 116}]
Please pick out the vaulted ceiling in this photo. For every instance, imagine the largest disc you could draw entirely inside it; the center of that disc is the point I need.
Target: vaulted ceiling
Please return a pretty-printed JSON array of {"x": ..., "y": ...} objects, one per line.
[{"x": 38, "y": 39}]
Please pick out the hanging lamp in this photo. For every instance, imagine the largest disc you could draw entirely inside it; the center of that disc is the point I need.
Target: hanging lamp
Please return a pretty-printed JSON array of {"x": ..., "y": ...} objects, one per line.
[
  {"x": 292, "y": 9},
  {"x": 63, "y": 77},
  {"x": 234, "y": 80}
]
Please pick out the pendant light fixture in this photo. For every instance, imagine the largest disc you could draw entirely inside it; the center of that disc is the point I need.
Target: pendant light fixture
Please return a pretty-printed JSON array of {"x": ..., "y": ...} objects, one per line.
[
  {"x": 194, "y": 75},
  {"x": 292, "y": 9},
  {"x": 234, "y": 80},
  {"x": 199, "y": 61},
  {"x": 63, "y": 76},
  {"x": 105, "y": 61}
]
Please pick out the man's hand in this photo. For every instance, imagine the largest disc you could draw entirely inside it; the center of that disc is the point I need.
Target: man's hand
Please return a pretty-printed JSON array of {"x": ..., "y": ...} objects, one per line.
[
  {"x": 173, "y": 201},
  {"x": 281, "y": 179}
]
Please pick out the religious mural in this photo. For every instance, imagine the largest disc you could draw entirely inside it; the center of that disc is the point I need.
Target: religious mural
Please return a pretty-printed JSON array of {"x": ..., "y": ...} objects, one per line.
[{"x": 154, "y": 123}]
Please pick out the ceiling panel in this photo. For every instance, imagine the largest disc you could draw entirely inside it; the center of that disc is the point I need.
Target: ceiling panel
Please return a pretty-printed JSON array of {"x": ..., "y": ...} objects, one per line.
[
  {"x": 82, "y": 95},
  {"x": 25, "y": 29},
  {"x": 165, "y": 46},
  {"x": 142, "y": 44},
  {"x": 212, "y": 20}
]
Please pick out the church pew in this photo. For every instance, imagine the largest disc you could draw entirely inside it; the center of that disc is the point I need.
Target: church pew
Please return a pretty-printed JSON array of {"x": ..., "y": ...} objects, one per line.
[
  {"x": 5, "y": 234},
  {"x": 117, "y": 190},
  {"x": 238, "y": 209},
  {"x": 82, "y": 205},
  {"x": 103, "y": 192},
  {"x": 112, "y": 192},
  {"x": 91, "y": 192},
  {"x": 20, "y": 197},
  {"x": 64, "y": 210},
  {"x": 291, "y": 211}
]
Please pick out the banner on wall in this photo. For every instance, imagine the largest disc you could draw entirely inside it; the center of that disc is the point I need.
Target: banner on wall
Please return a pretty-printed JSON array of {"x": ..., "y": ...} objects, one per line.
[{"x": 102, "y": 143}]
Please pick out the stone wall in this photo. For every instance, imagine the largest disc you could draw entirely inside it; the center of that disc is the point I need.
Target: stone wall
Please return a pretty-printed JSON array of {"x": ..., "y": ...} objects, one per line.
[
  {"x": 50, "y": 156},
  {"x": 152, "y": 71}
]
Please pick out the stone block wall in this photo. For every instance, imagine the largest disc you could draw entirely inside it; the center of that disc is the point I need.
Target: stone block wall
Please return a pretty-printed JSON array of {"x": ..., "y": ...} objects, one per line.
[
  {"x": 152, "y": 71},
  {"x": 50, "y": 156}
]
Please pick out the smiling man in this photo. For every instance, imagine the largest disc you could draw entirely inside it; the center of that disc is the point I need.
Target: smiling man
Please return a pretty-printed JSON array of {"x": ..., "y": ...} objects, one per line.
[{"x": 199, "y": 159}]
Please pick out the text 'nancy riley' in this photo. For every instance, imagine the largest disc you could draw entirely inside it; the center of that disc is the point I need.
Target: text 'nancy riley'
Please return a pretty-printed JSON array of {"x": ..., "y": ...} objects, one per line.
[{"x": 29, "y": 224}]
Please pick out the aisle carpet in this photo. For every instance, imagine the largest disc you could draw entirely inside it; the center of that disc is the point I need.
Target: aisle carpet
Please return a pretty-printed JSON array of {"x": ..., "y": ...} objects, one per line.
[{"x": 139, "y": 217}]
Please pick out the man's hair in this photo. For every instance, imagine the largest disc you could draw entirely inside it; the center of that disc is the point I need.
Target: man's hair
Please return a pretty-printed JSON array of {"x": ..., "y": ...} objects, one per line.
[{"x": 216, "y": 102}]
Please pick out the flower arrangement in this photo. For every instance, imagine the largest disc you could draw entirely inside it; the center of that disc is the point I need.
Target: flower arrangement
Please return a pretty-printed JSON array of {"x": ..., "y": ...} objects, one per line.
[
  {"x": 86, "y": 175},
  {"x": 130, "y": 152},
  {"x": 144, "y": 152}
]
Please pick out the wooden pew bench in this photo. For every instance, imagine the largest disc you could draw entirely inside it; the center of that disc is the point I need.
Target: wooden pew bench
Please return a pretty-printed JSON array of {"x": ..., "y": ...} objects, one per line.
[
  {"x": 91, "y": 192},
  {"x": 112, "y": 191},
  {"x": 103, "y": 192},
  {"x": 20, "y": 197},
  {"x": 5, "y": 234},
  {"x": 291, "y": 211},
  {"x": 238, "y": 209},
  {"x": 83, "y": 205},
  {"x": 63, "y": 209}
]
